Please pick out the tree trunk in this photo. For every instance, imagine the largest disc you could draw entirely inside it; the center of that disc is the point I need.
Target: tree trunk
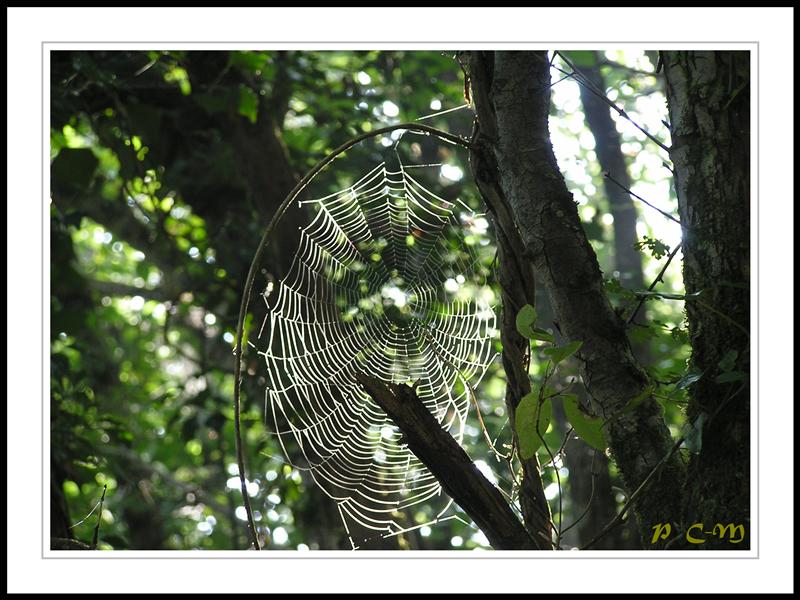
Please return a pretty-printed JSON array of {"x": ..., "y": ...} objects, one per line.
[
  {"x": 628, "y": 263},
  {"x": 511, "y": 91},
  {"x": 589, "y": 486},
  {"x": 709, "y": 105},
  {"x": 518, "y": 288},
  {"x": 609, "y": 154}
]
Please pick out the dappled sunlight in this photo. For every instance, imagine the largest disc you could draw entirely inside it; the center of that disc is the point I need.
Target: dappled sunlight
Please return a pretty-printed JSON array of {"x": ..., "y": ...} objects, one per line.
[{"x": 163, "y": 186}]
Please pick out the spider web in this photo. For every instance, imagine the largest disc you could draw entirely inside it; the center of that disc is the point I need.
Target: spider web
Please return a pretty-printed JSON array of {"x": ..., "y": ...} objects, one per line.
[{"x": 386, "y": 282}]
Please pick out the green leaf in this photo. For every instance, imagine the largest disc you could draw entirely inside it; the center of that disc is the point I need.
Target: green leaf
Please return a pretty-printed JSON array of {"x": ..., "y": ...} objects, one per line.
[
  {"x": 248, "y": 103},
  {"x": 560, "y": 353},
  {"x": 582, "y": 58},
  {"x": 657, "y": 248},
  {"x": 542, "y": 335},
  {"x": 526, "y": 319},
  {"x": 731, "y": 376},
  {"x": 252, "y": 61},
  {"x": 728, "y": 361},
  {"x": 531, "y": 421},
  {"x": 588, "y": 428}
]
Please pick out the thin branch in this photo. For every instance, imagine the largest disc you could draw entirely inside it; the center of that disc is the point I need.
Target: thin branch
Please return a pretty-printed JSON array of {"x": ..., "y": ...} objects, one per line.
[
  {"x": 547, "y": 375},
  {"x": 591, "y": 497},
  {"x": 608, "y": 176},
  {"x": 633, "y": 497},
  {"x": 659, "y": 278},
  {"x": 96, "y": 535},
  {"x": 580, "y": 78}
]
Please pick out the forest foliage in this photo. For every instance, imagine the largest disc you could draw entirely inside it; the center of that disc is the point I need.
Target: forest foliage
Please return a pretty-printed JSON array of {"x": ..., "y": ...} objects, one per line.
[{"x": 165, "y": 168}]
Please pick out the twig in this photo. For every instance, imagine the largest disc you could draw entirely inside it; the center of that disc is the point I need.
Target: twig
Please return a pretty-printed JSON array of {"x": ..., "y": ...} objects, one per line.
[
  {"x": 618, "y": 519},
  {"x": 656, "y": 281},
  {"x": 580, "y": 78},
  {"x": 541, "y": 399},
  {"x": 99, "y": 519},
  {"x": 608, "y": 176},
  {"x": 564, "y": 443},
  {"x": 591, "y": 497}
]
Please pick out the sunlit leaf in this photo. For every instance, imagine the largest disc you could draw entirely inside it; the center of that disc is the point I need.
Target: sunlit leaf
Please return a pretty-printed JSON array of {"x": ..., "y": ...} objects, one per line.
[
  {"x": 248, "y": 103},
  {"x": 526, "y": 319}
]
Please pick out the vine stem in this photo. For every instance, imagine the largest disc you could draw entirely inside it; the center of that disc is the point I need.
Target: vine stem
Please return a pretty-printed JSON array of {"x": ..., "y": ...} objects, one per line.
[{"x": 251, "y": 275}]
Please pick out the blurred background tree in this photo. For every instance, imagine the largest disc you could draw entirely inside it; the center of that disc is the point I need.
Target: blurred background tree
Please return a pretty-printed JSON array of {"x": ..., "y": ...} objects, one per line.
[{"x": 165, "y": 168}]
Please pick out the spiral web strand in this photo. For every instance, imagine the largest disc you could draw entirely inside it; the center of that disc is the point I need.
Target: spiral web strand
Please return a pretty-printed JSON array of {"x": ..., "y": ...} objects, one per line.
[{"x": 384, "y": 283}]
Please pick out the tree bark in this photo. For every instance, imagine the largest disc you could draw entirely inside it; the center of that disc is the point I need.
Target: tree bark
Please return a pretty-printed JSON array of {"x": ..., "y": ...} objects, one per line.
[
  {"x": 628, "y": 263},
  {"x": 448, "y": 462},
  {"x": 511, "y": 91},
  {"x": 709, "y": 105},
  {"x": 518, "y": 288}
]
